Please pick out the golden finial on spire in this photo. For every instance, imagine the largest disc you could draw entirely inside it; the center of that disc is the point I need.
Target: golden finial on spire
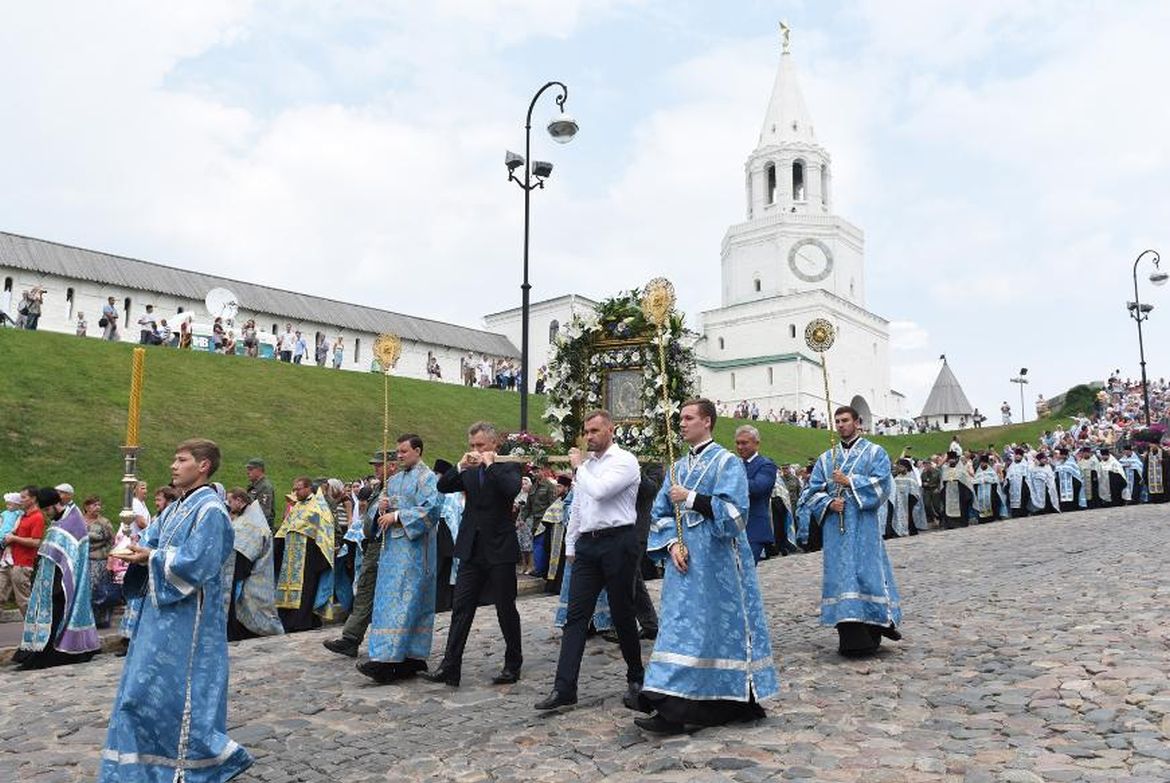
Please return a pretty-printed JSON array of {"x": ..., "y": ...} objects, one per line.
[{"x": 785, "y": 32}]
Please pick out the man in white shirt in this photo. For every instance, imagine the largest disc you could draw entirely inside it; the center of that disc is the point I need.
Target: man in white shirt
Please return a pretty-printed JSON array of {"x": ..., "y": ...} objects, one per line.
[
  {"x": 602, "y": 546},
  {"x": 286, "y": 342}
]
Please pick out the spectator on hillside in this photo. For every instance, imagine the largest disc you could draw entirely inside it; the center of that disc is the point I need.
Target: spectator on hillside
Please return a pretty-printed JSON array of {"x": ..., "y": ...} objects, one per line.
[
  {"x": 82, "y": 326},
  {"x": 162, "y": 335},
  {"x": 1006, "y": 411},
  {"x": 217, "y": 335},
  {"x": 30, "y": 307},
  {"x": 229, "y": 344},
  {"x": 251, "y": 339},
  {"x": 322, "y": 350},
  {"x": 338, "y": 352},
  {"x": 147, "y": 324},
  {"x": 20, "y": 551},
  {"x": 184, "y": 334},
  {"x": 300, "y": 348},
  {"x": 285, "y": 344},
  {"x": 109, "y": 321}
]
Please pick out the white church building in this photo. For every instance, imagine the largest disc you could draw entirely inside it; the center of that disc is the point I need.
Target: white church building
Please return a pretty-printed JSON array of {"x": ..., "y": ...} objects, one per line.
[{"x": 793, "y": 260}]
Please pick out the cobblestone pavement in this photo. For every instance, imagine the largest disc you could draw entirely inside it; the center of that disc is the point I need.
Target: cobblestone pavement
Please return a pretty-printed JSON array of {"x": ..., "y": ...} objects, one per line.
[{"x": 1035, "y": 650}]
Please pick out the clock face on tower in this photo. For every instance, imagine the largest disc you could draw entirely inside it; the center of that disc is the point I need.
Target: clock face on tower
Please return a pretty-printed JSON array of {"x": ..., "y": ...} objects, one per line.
[{"x": 811, "y": 260}]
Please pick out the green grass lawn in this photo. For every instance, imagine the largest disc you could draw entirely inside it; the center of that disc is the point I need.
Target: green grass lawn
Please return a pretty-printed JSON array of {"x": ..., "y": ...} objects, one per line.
[{"x": 63, "y": 416}]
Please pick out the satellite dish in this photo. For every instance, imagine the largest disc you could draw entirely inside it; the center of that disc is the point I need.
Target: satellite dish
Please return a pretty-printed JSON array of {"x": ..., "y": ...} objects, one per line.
[{"x": 221, "y": 303}]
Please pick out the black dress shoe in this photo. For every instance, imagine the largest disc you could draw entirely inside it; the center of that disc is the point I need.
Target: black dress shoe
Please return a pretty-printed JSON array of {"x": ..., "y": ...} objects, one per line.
[
  {"x": 378, "y": 672},
  {"x": 554, "y": 700},
  {"x": 506, "y": 677},
  {"x": 632, "y": 699},
  {"x": 342, "y": 646},
  {"x": 443, "y": 674},
  {"x": 659, "y": 725}
]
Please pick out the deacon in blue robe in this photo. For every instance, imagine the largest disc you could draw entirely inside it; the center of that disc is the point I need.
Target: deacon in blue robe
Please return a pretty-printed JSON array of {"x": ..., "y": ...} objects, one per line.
[
  {"x": 1070, "y": 488},
  {"x": 1132, "y": 466},
  {"x": 903, "y": 514},
  {"x": 402, "y": 622},
  {"x": 169, "y": 720},
  {"x": 712, "y": 660},
  {"x": 252, "y": 597},
  {"x": 1018, "y": 489},
  {"x": 1157, "y": 472},
  {"x": 849, "y": 483},
  {"x": 988, "y": 503},
  {"x": 1043, "y": 496},
  {"x": 58, "y": 624}
]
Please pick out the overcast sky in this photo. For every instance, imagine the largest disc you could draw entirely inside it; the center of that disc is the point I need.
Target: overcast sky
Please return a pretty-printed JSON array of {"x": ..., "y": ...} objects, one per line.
[{"x": 1006, "y": 159}]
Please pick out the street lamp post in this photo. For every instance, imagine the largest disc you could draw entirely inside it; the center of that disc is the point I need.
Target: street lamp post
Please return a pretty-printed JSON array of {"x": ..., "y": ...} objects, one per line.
[
  {"x": 1140, "y": 312},
  {"x": 1021, "y": 379},
  {"x": 562, "y": 128}
]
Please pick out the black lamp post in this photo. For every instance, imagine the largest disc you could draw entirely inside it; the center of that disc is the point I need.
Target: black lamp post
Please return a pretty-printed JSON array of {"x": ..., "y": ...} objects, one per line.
[
  {"x": 1140, "y": 312},
  {"x": 562, "y": 128}
]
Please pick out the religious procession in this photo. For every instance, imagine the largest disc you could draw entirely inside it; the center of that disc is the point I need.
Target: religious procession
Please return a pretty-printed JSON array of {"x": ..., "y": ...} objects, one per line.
[{"x": 220, "y": 564}]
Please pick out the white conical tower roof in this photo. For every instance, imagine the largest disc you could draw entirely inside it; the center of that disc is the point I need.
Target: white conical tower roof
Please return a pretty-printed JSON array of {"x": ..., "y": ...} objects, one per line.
[
  {"x": 947, "y": 397},
  {"x": 787, "y": 119}
]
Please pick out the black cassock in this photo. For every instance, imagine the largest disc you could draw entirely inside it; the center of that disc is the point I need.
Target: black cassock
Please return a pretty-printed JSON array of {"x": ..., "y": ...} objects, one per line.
[{"x": 1075, "y": 503}]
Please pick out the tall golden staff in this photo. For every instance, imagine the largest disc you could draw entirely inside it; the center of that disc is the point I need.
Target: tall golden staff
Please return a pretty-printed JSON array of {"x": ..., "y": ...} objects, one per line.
[
  {"x": 819, "y": 335},
  {"x": 657, "y": 304},
  {"x": 387, "y": 349},
  {"x": 130, "y": 450}
]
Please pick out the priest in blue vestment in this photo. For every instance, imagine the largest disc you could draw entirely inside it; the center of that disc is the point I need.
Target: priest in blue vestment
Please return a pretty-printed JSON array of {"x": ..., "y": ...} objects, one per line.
[
  {"x": 1019, "y": 491},
  {"x": 249, "y": 578},
  {"x": 849, "y": 483},
  {"x": 712, "y": 660},
  {"x": 402, "y": 622},
  {"x": 1069, "y": 482},
  {"x": 1043, "y": 496},
  {"x": 169, "y": 721},
  {"x": 1131, "y": 465},
  {"x": 58, "y": 624}
]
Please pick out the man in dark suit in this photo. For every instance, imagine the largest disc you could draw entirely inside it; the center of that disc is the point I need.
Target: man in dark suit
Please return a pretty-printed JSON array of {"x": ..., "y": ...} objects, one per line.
[
  {"x": 761, "y": 473},
  {"x": 487, "y": 549}
]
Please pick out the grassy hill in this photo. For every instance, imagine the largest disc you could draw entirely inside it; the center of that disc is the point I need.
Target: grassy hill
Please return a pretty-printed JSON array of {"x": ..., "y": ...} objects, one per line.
[{"x": 63, "y": 415}]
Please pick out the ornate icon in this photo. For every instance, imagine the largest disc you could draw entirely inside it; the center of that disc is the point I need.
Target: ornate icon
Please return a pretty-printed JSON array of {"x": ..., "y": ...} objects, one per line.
[{"x": 819, "y": 335}]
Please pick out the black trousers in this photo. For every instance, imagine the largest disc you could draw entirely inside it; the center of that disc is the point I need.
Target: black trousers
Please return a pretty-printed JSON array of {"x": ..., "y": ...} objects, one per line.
[
  {"x": 608, "y": 561},
  {"x": 473, "y": 576},
  {"x": 643, "y": 604}
]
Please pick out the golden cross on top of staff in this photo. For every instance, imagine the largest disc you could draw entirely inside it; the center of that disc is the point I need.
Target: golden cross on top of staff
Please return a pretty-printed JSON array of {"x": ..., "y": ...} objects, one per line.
[
  {"x": 387, "y": 349},
  {"x": 820, "y": 336},
  {"x": 657, "y": 304}
]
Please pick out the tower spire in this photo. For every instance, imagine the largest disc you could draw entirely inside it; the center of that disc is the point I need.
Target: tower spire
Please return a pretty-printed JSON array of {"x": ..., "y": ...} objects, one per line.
[{"x": 787, "y": 118}]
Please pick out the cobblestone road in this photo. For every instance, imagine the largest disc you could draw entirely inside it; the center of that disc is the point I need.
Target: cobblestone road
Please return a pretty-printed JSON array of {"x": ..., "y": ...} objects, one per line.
[{"x": 1035, "y": 650}]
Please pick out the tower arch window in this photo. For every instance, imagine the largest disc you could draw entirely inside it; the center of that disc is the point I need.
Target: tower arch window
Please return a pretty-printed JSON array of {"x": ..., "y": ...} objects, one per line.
[
  {"x": 721, "y": 344},
  {"x": 357, "y": 350},
  {"x": 274, "y": 330},
  {"x": 851, "y": 287},
  {"x": 69, "y": 299},
  {"x": 798, "y": 180},
  {"x": 792, "y": 331},
  {"x": 757, "y": 285},
  {"x": 554, "y": 326},
  {"x": 825, "y": 185},
  {"x": 8, "y": 284},
  {"x": 126, "y": 311},
  {"x": 733, "y": 381},
  {"x": 770, "y": 183},
  {"x": 179, "y": 311},
  {"x": 771, "y": 377}
]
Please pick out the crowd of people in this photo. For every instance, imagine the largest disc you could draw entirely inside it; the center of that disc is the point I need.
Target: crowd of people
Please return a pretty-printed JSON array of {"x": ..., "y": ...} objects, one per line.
[{"x": 390, "y": 549}]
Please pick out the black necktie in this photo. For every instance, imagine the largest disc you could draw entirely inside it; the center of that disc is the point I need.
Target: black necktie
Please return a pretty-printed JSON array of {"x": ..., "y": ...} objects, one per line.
[{"x": 482, "y": 474}]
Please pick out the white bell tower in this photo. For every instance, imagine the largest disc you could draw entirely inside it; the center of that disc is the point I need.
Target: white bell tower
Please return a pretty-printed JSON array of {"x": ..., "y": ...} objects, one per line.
[{"x": 793, "y": 259}]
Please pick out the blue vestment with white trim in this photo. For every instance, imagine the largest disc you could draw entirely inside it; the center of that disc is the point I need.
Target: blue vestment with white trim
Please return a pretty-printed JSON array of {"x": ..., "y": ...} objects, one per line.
[
  {"x": 713, "y": 640},
  {"x": 170, "y": 715},
  {"x": 402, "y": 622},
  {"x": 858, "y": 579}
]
